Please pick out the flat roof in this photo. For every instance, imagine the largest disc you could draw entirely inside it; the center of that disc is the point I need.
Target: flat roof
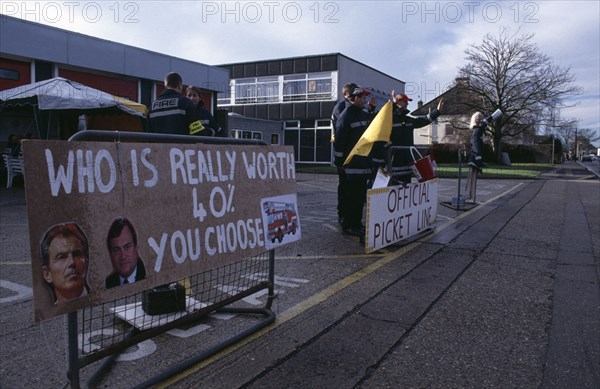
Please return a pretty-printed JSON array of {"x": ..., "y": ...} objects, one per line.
[{"x": 29, "y": 40}]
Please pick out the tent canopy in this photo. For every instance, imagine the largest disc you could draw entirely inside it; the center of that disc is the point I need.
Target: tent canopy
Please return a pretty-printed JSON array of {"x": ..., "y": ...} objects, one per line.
[{"x": 62, "y": 94}]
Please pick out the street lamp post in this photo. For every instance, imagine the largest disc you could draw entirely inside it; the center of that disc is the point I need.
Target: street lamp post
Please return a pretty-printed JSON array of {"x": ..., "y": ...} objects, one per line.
[{"x": 576, "y": 146}]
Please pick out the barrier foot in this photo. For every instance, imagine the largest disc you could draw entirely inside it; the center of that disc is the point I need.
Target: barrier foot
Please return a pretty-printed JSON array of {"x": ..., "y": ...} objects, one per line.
[
  {"x": 91, "y": 382},
  {"x": 269, "y": 318},
  {"x": 458, "y": 207}
]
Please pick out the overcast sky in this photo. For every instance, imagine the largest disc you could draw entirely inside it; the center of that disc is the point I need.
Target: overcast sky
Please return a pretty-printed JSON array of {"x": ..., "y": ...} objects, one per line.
[{"x": 419, "y": 42}]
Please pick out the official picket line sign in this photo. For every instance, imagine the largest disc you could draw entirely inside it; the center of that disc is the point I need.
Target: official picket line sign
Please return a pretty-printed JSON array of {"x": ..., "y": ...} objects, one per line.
[
  {"x": 193, "y": 208},
  {"x": 397, "y": 213}
]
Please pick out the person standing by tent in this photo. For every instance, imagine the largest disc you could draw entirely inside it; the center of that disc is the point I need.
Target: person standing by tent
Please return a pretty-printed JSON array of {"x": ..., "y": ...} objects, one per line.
[
  {"x": 173, "y": 113},
  {"x": 350, "y": 126},
  {"x": 403, "y": 126}
]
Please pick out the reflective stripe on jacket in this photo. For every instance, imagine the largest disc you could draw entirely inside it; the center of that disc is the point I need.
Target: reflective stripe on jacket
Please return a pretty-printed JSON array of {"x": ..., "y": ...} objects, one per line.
[{"x": 173, "y": 113}]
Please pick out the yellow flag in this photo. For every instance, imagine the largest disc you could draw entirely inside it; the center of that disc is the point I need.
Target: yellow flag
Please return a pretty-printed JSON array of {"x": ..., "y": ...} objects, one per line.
[{"x": 379, "y": 130}]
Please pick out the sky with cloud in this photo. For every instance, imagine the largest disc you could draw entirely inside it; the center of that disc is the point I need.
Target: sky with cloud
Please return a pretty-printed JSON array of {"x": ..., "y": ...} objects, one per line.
[{"x": 419, "y": 42}]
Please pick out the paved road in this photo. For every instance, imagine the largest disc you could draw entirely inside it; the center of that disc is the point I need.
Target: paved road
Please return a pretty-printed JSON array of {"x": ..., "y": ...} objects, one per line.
[
  {"x": 503, "y": 295},
  {"x": 592, "y": 167},
  {"x": 507, "y": 295}
]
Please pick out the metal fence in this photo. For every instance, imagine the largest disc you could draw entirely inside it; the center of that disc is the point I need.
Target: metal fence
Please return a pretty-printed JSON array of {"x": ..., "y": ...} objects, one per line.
[{"x": 100, "y": 333}]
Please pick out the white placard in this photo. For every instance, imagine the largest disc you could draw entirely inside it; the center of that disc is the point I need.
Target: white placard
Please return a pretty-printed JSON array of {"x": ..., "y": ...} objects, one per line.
[
  {"x": 382, "y": 179},
  {"x": 399, "y": 212}
]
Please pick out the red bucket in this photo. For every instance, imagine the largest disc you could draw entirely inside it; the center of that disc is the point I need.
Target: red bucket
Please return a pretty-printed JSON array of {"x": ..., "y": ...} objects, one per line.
[{"x": 423, "y": 166}]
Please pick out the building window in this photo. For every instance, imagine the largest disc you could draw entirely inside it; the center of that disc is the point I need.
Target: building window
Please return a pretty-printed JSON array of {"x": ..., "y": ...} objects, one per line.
[
  {"x": 256, "y": 90},
  {"x": 294, "y": 88},
  {"x": 311, "y": 140},
  {"x": 240, "y": 134},
  {"x": 245, "y": 90},
  {"x": 319, "y": 86},
  {"x": 274, "y": 139},
  {"x": 323, "y": 123},
  {"x": 267, "y": 90},
  {"x": 9, "y": 74},
  {"x": 307, "y": 87},
  {"x": 278, "y": 89},
  {"x": 224, "y": 98},
  {"x": 292, "y": 124}
]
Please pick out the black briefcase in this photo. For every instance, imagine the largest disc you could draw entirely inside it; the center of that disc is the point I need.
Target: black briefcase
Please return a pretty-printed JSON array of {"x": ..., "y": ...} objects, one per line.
[{"x": 168, "y": 298}]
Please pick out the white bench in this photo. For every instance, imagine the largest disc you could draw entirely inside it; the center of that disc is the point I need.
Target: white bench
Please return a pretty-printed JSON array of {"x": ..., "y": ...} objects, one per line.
[{"x": 14, "y": 167}]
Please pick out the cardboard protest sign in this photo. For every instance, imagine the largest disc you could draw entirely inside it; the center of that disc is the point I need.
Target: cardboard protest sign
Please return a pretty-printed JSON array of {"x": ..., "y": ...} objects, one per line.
[
  {"x": 399, "y": 212},
  {"x": 107, "y": 220}
]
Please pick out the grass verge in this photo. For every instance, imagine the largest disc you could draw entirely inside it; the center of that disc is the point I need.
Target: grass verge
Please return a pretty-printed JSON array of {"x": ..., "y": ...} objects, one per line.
[{"x": 527, "y": 171}]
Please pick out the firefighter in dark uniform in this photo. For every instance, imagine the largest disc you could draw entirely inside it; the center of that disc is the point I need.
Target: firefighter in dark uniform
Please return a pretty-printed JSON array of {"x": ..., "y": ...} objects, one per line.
[
  {"x": 337, "y": 111},
  {"x": 173, "y": 113},
  {"x": 206, "y": 118},
  {"x": 403, "y": 126},
  {"x": 341, "y": 105},
  {"x": 350, "y": 126}
]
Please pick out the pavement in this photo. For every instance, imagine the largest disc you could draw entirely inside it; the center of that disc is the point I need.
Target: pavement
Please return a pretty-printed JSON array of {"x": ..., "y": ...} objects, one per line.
[{"x": 507, "y": 295}]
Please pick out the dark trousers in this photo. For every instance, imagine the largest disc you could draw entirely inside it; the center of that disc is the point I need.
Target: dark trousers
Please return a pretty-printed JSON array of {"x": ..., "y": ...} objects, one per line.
[
  {"x": 354, "y": 197},
  {"x": 340, "y": 191}
]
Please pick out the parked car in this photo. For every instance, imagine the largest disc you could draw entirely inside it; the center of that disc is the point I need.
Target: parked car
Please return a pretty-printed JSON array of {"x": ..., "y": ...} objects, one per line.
[{"x": 589, "y": 158}]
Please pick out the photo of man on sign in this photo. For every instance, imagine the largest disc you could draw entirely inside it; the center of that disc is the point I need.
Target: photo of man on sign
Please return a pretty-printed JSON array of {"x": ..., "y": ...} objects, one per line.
[
  {"x": 123, "y": 249},
  {"x": 65, "y": 261}
]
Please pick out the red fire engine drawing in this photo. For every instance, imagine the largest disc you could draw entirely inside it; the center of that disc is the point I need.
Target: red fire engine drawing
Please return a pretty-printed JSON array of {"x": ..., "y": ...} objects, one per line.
[{"x": 281, "y": 219}]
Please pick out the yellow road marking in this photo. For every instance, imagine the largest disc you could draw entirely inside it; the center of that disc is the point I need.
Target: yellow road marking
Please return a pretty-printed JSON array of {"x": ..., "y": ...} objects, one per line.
[{"x": 320, "y": 297}]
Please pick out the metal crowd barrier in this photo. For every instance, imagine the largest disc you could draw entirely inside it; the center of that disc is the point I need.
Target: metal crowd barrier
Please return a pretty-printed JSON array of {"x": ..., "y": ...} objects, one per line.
[
  {"x": 460, "y": 202},
  {"x": 96, "y": 332}
]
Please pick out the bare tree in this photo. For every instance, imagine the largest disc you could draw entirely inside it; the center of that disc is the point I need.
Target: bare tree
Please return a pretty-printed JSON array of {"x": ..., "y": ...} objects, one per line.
[
  {"x": 563, "y": 129},
  {"x": 586, "y": 139},
  {"x": 510, "y": 73}
]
